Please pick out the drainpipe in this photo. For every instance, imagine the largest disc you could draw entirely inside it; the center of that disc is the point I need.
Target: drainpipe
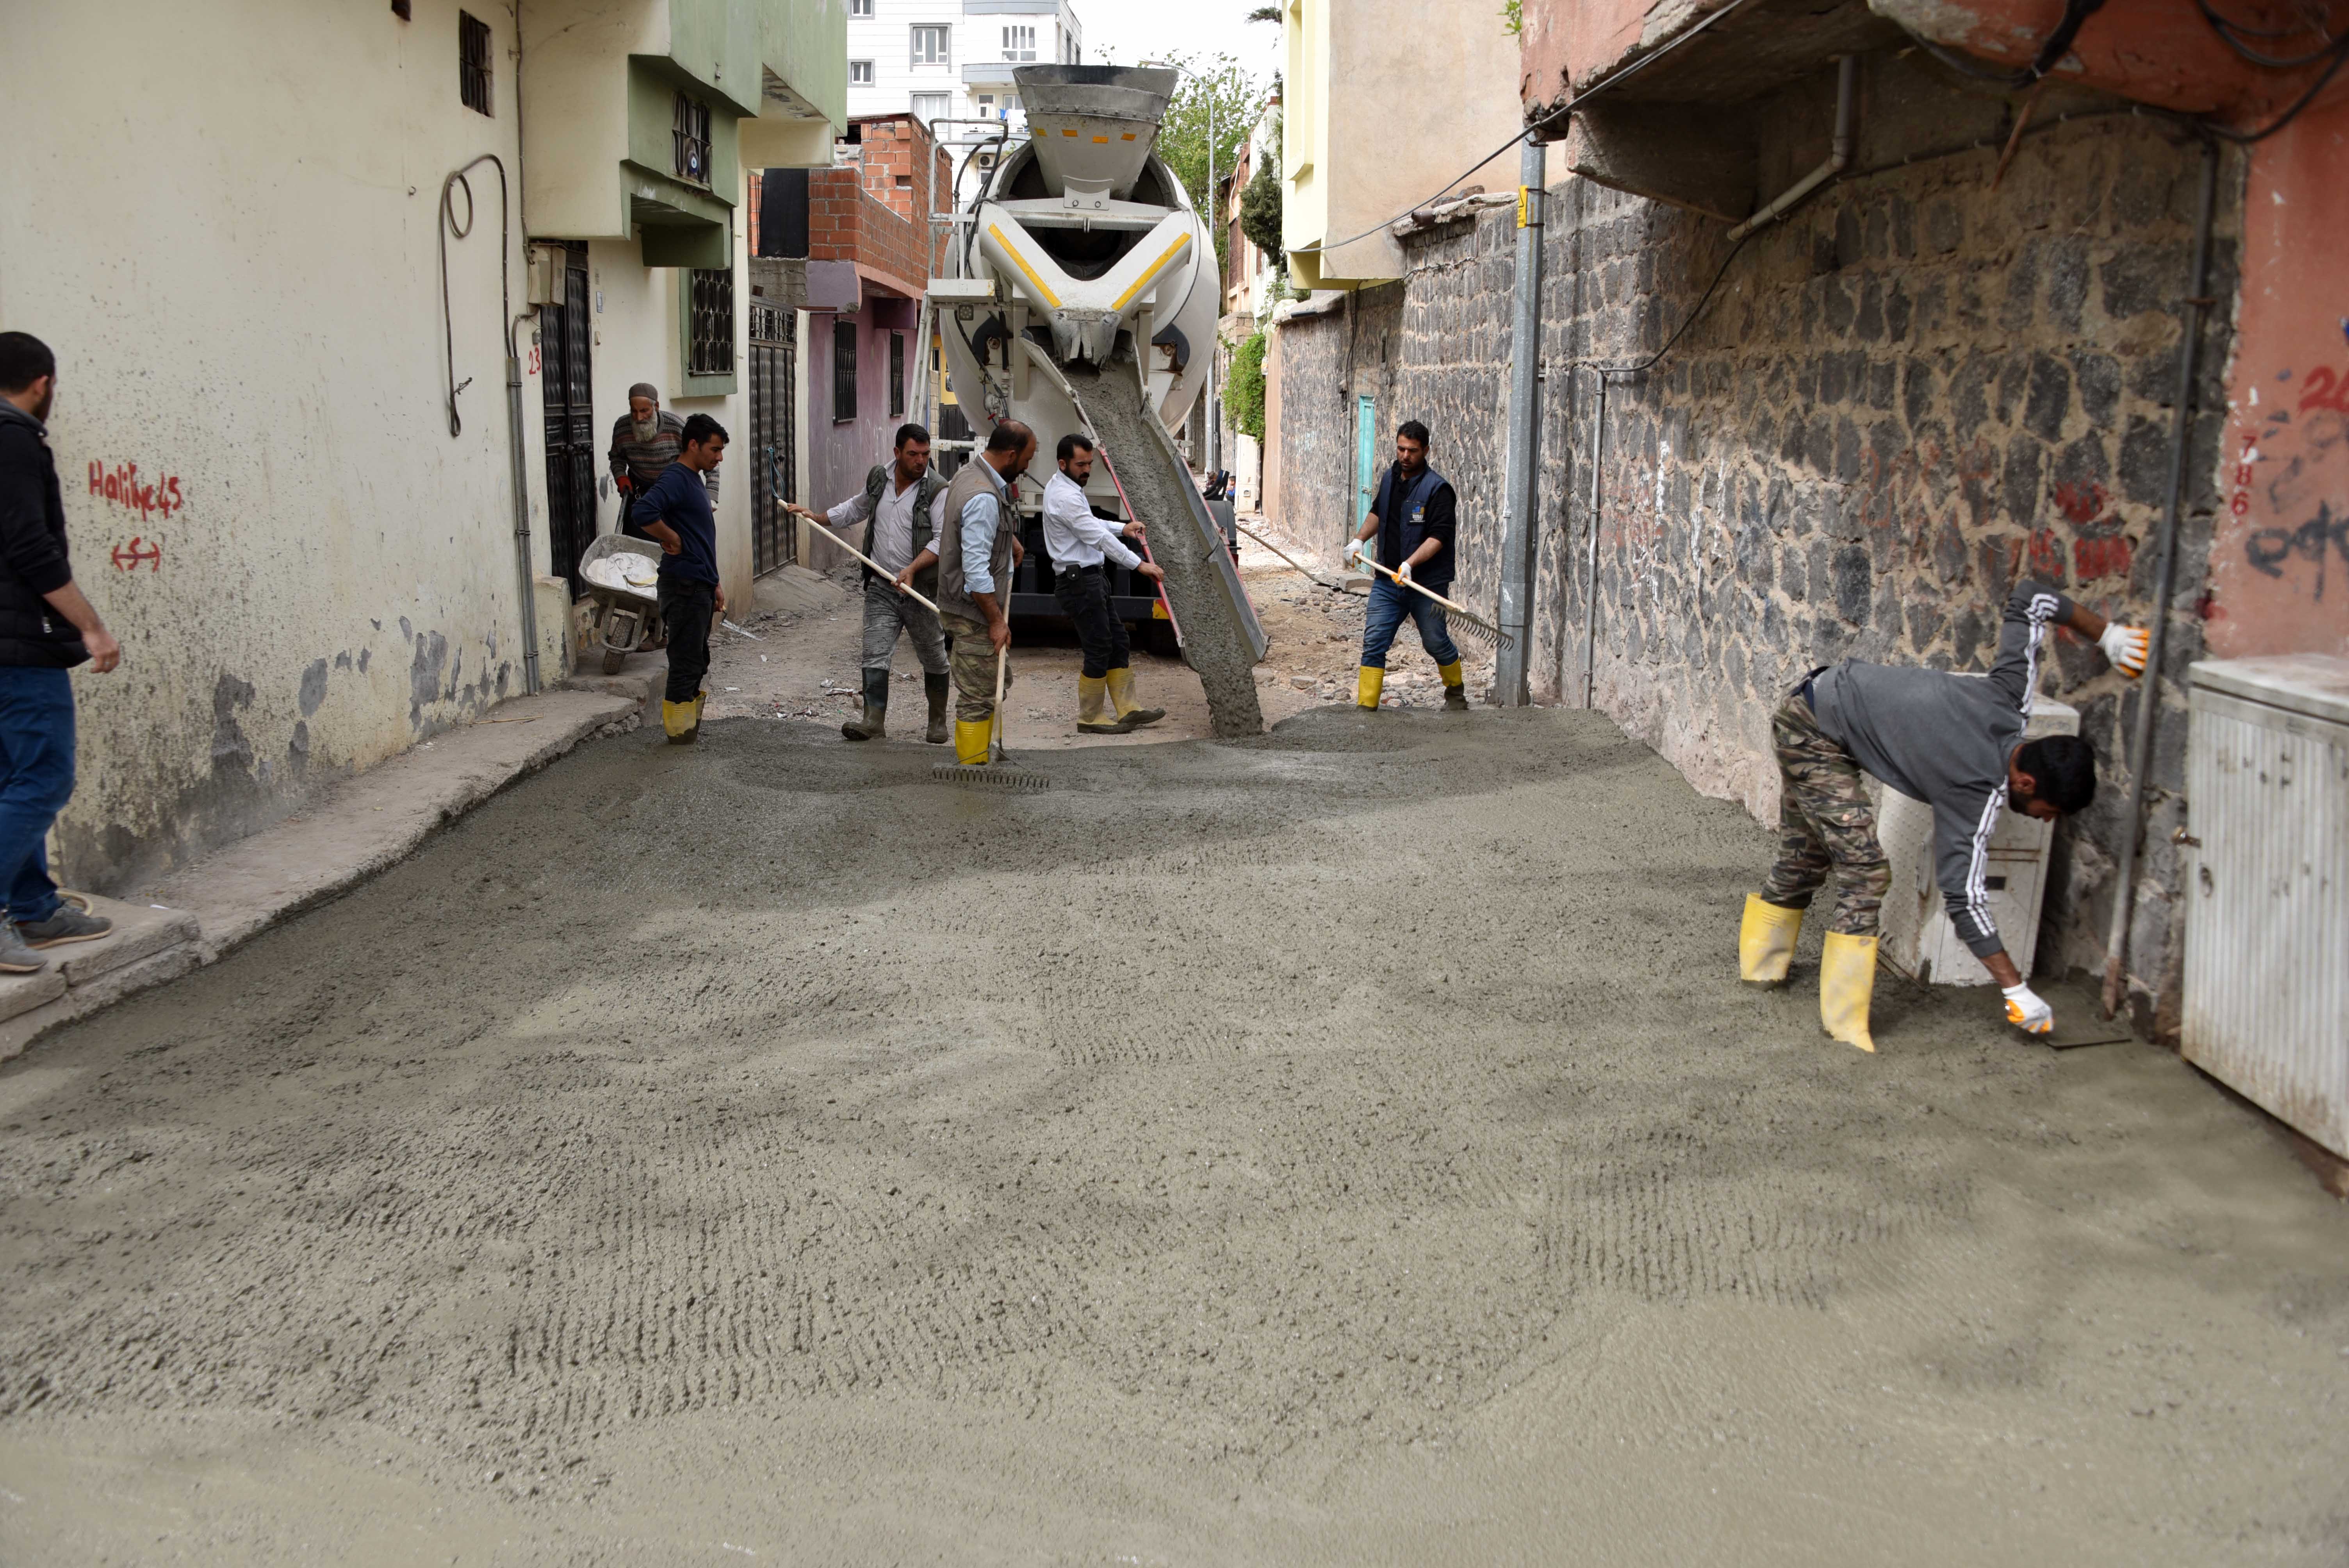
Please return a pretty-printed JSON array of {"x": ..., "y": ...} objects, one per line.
[
  {"x": 1590, "y": 567},
  {"x": 1838, "y": 153},
  {"x": 1509, "y": 683},
  {"x": 2181, "y": 420},
  {"x": 524, "y": 560}
]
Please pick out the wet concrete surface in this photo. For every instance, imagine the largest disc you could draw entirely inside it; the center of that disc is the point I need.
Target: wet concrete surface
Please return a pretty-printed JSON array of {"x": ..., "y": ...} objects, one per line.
[{"x": 1347, "y": 1145}]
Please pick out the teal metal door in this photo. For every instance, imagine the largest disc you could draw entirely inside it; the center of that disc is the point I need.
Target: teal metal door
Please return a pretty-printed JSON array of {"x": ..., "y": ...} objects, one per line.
[{"x": 1366, "y": 460}]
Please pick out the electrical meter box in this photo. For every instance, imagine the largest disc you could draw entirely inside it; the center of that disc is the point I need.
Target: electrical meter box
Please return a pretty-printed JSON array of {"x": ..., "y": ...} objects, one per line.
[{"x": 1917, "y": 938}]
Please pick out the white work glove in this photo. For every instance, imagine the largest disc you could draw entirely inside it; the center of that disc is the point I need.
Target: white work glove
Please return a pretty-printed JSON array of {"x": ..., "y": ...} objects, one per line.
[
  {"x": 2126, "y": 646},
  {"x": 2027, "y": 1011},
  {"x": 1402, "y": 573},
  {"x": 1355, "y": 549}
]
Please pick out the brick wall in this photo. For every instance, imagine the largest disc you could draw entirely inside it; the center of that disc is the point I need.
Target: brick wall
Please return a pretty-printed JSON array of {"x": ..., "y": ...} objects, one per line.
[
  {"x": 870, "y": 210},
  {"x": 1915, "y": 388}
]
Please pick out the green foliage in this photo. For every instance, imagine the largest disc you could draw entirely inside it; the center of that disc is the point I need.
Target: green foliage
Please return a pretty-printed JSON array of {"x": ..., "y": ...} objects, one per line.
[
  {"x": 1265, "y": 14},
  {"x": 1260, "y": 214},
  {"x": 1236, "y": 98},
  {"x": 1244, "y": 395},
  {"x": 1513, "y": 18}
]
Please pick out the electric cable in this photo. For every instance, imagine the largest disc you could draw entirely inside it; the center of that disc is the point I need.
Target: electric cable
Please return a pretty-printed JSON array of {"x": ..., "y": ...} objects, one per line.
[
  {"x": 1679, "y": 332},
  {"x": 447, "y": 226},
  {"x": 2292, "y": 112},
  {"x": 2232, "y": 34}
]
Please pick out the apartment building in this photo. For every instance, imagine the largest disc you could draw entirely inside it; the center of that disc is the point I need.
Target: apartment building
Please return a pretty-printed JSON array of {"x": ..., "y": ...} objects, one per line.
[{"x": 953, "y": 59}]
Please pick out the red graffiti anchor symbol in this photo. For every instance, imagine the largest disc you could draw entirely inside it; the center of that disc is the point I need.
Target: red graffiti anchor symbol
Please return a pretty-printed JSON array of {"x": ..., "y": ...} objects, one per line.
[{"x": 129, "y": 557}]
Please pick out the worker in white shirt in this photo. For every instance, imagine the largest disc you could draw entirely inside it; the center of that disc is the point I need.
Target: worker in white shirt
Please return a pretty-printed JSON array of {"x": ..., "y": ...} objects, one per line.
[
  {"x": 1077, "y": 541},
  {"x": 901, "y": 507}
]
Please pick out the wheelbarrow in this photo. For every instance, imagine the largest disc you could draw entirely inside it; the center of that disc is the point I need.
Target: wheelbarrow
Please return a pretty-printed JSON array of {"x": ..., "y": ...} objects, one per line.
[{"x": 627, "y": 614}]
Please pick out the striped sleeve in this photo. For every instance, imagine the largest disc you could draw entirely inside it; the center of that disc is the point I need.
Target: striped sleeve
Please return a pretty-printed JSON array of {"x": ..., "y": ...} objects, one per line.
[{"x": 1962, "y": 831}]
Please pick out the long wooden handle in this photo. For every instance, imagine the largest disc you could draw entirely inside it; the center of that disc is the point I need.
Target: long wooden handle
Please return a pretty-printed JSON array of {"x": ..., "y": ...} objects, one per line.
[
  {"x": 909, "y": 591},
  {"x": 1002, "y": 663},
  {"x": 1408, "y": 582},
  {"x": 1276, "y": 549}
]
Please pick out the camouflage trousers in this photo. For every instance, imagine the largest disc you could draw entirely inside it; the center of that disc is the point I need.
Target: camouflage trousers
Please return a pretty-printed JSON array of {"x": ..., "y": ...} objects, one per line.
[
  {"x": 971, "y": 661},
  {"x": 1825, "y": 823}
]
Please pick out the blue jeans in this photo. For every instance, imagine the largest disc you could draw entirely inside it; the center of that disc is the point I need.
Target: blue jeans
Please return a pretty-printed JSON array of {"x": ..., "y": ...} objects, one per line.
[
  {"x": 36, "y": 780},
  {"x": 1390, "y": 603}
]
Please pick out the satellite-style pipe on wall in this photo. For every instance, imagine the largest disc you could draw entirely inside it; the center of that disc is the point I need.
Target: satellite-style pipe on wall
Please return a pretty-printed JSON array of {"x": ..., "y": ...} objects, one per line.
[{"x": 1839, "y": 152}]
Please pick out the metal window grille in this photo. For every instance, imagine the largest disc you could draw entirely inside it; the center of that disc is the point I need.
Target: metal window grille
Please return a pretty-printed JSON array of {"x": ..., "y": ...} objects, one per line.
[
  {"x": 712, "y": 349},
  {"x": 1019, "y": 43},
  {"x": 930, "y": 46},
  {"x": 896, "y": 376},
  {"x": 844, "y": 370},
  {"x": 473, "y": 62},
  {"x": 691, "y": 140},
  {"x": 860, "y": 72}
]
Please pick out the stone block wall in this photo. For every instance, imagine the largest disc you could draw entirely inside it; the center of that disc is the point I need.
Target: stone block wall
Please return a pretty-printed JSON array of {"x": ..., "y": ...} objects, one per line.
[{"x": 1922, "y": 385}]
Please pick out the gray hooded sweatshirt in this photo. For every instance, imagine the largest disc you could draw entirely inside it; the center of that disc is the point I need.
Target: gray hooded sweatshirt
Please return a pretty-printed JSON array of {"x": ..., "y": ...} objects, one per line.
[{"x": 1944, "y": 739}]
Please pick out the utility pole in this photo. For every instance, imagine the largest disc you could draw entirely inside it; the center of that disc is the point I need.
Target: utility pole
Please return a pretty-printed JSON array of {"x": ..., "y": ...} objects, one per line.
[{"x": 1510, "y": 687}]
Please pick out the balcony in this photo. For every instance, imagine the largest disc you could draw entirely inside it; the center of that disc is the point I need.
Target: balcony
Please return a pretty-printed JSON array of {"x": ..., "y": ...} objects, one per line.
[{"x": 642, "y": 117}]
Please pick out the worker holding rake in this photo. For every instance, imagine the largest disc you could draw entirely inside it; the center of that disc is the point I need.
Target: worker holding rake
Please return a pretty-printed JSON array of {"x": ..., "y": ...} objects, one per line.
[
  {"x": 1952, "y": 741},
  {"x": 977, "y": 550},
  {"x": 1411, "y": 520}
]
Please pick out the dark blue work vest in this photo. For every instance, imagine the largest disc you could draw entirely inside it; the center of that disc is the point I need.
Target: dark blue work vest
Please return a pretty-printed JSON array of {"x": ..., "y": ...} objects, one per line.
[{"x": 1436, "y": 571}]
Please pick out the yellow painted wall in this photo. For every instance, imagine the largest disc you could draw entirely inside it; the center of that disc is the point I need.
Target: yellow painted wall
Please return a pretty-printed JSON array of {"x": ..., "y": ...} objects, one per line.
[{"x": 1384, "y": 101}]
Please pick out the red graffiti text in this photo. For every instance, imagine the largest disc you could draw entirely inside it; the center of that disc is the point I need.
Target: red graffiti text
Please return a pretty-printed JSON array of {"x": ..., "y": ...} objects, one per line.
[
  {"x": 121, "y": 485},
  {"x": 2080, "y": 500},
  {"x": 2327, "y": 388},
  {"x": 2106, "y": 556},
  {"x": 139, "y": 551}
]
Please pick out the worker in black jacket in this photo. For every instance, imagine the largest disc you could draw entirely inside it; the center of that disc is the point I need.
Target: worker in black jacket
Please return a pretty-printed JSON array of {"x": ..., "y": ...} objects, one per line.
[{"x": 46, "y": 627}]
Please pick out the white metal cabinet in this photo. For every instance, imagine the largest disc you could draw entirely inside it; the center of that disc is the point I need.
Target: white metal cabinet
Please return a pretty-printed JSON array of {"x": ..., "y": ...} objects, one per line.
[
  {"x": 2266, "y": 980},
  {"x": 1916, "y": 937}
]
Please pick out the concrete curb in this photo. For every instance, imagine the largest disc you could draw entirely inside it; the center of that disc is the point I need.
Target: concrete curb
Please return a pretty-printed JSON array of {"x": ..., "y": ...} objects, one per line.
[{"x": 357, "y": 829}]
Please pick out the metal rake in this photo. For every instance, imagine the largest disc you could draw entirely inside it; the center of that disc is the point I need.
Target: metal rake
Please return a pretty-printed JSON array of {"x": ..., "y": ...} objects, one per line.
[{"x": 1466, "y": 622}]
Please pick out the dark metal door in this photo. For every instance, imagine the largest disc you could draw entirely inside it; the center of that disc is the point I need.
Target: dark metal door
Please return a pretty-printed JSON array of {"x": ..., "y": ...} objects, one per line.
[
  {"x": 773, "y": 363},
  {"x": 566, "y": 382}
]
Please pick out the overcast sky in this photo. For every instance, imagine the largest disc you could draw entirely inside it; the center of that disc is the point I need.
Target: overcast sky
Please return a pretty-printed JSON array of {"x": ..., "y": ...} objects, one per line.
[{"x": 1127, "y": 31}]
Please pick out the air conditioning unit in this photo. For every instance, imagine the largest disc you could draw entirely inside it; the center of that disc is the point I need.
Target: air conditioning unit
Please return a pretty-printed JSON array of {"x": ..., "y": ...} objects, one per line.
[
  {"x": 1916, "y": 937},
  {"x": 2266, "y": 885}
]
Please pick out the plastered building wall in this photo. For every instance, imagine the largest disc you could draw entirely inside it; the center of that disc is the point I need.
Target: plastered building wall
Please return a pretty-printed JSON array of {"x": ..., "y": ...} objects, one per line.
[
  {"x": 1914, "y": 390},
  {"x": 244, "y": 291},
  {"x": 307, "y": 572}
]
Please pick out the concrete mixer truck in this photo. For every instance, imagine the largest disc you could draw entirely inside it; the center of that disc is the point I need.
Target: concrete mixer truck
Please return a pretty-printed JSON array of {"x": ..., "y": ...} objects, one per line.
[{"x": 1082, "y": 296}]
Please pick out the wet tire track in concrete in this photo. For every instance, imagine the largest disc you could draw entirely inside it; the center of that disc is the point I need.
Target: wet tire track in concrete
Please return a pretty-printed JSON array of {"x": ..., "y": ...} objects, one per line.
[{"x": 1311, "y": 1092}]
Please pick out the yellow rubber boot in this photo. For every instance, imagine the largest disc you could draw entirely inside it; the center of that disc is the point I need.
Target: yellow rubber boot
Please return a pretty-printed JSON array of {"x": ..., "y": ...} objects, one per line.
[
  {"x": 680, "y": 721},
  {"x": 1847, "y": 981},
  {"x": 1130, "y": 713},
  {"x": 971, "y": 741},
  {"x": 1367, "y": 684},
  {"x": 1455, "y": 684},
  {"x": 1093, "y": 713},
  {"x": 1766, "y": 941}
]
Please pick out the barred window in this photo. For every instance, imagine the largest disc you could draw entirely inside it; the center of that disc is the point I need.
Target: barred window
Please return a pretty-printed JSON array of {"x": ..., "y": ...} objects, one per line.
[
  {"x": 844, "y": 370},
  {"x": 711, "y": 352},
  {"x": 473, "y": 62},
  {"x": 691, "y": 140},
  {"x": 896, "y": 376}
]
